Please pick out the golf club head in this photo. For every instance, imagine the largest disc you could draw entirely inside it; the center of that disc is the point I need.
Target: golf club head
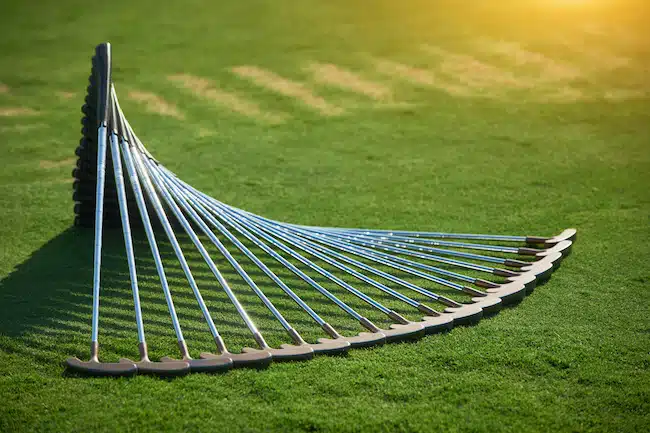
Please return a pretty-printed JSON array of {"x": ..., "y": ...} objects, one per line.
[
  {"x": 489, "y": 304},
  {"x": 529, "y": 280},
  {"x": 542, "y": 269},
  {"x": 399, "y": 332},
  {"x": 566, "y": 235},
  {"x": 166, "y": 369},
  {"x": 434, "y": 324},
  {"x": 562, "y": 247},
  {"x": 363, "y": 339},
  {"x": 465, "y": 315},
  {"x": 337, "y": 346},
  {"x": 217, "y": 364},
  {"x": 95, "y": 368},
  {"x": 509, "y": 293},
  {"x": 249, "y": 357},
  {"x": 290, "y": 352}
]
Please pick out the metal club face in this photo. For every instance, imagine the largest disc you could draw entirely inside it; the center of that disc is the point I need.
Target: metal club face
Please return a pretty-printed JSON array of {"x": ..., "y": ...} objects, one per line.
[{"x": 482, "y": 272}]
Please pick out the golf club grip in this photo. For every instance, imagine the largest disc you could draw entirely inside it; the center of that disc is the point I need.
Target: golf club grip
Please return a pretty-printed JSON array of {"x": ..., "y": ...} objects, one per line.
[
  {"x": 112, "y": 115},
  {"x": 103, "y": 81}
]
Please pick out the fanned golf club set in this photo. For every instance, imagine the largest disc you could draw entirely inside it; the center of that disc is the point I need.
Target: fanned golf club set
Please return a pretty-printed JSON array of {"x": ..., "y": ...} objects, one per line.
[{"x": 512, "y": 265}]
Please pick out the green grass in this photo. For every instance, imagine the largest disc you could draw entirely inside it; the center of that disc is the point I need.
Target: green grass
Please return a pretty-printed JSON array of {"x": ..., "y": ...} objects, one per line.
[{"x": 573, "y": 356}]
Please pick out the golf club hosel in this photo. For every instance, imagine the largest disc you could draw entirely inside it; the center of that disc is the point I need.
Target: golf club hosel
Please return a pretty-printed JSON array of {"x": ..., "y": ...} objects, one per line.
[
  {"x": 449, "y": 302},
  {"x": 182, "y": 346},
  {"x": 368, "y": 325},
  {"x": 94, "y": 351},
  {"x": 296, "y": 337},
  {"x": 144, "y": 351},
  {"x": 473, "y": 292},
  {"x": 513, "y": 263},
  {"x": 504, "y": 273},
  {"x": 398, "y": 317},
  {"x": 221, "y": 345},
  {"x": 535, "y": 240},
  {"x": 329, "y": 330},
  {"x": 260, "y": 340},
  {"x": 428, "y": 310},
  {"x": 485, "y": 284}
]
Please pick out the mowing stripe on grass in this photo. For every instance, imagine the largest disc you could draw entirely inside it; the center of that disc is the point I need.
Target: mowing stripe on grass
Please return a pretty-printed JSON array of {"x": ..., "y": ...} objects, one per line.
[
  {"x": 156, "y": 104},
  {"x": 473, "y": 73},
  {"x": 284, "y": 86},
  {"x": 70, "y": 162},
  {"x": 550, "y": 70},
  {"x": 333, "y": 75},
  {"x": 419, "y": 77},
  {"x": 206, "y": 89},
  {"x": 65, "y": 95},
  {"x": 17, "y": 112}
]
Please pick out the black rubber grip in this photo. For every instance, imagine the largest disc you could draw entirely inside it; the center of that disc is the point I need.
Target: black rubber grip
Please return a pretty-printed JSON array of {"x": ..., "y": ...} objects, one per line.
[
  {"x": 103, "y": 80},
  {"x": 112, "y": 122},
  {"x": 121, "y": 127}
]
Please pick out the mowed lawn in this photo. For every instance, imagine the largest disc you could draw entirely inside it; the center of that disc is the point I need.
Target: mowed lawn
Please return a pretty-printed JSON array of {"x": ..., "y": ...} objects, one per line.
[{"x": 512, "y": 117}]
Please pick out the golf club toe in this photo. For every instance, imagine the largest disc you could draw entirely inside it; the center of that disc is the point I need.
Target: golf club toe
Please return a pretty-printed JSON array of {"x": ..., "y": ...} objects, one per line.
[{"x": 566, "y": 235}]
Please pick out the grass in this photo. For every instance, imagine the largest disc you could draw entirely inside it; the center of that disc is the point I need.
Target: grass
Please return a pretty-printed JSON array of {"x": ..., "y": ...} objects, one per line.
[{"x": 476, "y": 151}]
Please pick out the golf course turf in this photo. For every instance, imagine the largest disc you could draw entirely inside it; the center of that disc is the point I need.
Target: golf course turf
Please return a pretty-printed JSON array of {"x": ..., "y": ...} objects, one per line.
[{"x": 503, "y": 117}]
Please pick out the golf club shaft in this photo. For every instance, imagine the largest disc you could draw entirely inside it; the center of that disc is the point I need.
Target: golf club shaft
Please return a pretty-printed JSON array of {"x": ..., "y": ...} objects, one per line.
[
  {"x": 171, "y": 182},
  {"x": 262, "y": 245},
  {"x": 126, "y": 230},
  {"x": 99, "y": 220}
]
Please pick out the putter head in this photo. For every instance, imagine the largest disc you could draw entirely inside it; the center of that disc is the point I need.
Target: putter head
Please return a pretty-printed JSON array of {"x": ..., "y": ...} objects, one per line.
[
  {"x": 510, "y": 293},
  {"x": 363, "y": 339},
  {"x": 562, "y": 247},
  {"x": 435, "y": 324},
  {"x": 527, "y": 279},
  {"x": 542, "y": 269},
  {"x": 290, "y": 352},
  {"x": 467, "y": 314},
  {"x": 489, "y": 304},
  {"x": 399, "y": 332},
  {"x": 166, "y": 369},
  {"x": 566, "y": 235},
  {"x": 254, "y": 358},
  {"x": 216, "y": 364},
  {"x": 95, "y": 368},
  {"x": 553, "y": 257},
  {"x": 337, "y": 346}
]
